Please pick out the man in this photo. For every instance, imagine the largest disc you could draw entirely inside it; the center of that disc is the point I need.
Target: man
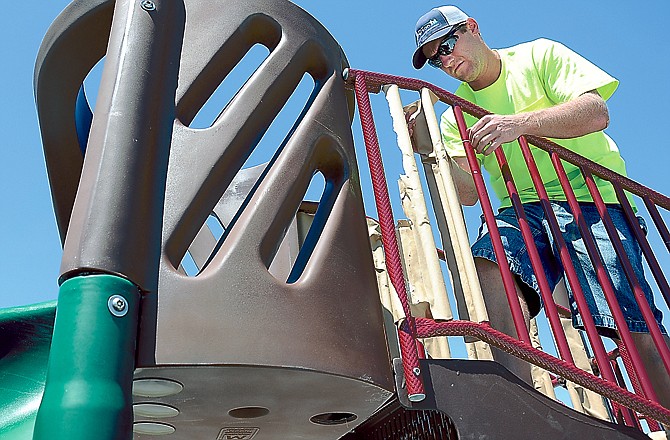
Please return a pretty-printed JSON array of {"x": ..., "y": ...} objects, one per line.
[{"x": 538, "y": 88}]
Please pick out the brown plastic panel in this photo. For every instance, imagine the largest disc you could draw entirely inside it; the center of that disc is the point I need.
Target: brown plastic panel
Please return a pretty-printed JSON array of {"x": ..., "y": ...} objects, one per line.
[
  {"x": 114, "y": 225},
  {"x": 74, "y": 43},
  {"x": 263, "y": 403},
  {"x": 327, "y": 321}
]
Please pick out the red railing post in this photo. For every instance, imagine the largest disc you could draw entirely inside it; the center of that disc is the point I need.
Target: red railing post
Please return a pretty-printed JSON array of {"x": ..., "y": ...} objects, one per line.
[
  {"x": 621, "y": 350},
  {"x": 568, "y": 267},
  {"x": 648, "y": 315},
  {"x": 601, "y": 273},
  {"x": 641, "y": 238},
  {"x": 521, "y": 348},
  {"x": 489, "y": 216},
  {"x": 620, "y": 411},
  {"x": 407, "y": 331},
  {"x": 660, "y": 225},
  {"x": 545, "y": 291}
]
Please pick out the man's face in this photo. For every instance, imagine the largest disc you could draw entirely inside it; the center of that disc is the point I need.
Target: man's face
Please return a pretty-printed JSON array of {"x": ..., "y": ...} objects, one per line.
[{"x": 465, "y": 63}]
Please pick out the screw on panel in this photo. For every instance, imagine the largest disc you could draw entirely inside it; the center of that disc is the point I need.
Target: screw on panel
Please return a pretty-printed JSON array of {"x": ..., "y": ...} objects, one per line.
[
  {"x": 345, "y": 74},
  {"x": 117, "y": 305},
  {"x": 416, "y": 371},
  {"x": 148, "y": 5}
]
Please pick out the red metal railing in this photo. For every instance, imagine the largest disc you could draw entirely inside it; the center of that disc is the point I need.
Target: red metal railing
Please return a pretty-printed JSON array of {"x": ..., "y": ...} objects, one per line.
[
  {"x": 643, "y": 399},
  {"x": 407, "y": 332}
]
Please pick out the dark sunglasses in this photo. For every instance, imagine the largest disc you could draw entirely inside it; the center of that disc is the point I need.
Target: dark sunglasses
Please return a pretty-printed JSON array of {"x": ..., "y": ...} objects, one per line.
[{"x": 445, "y": 48}]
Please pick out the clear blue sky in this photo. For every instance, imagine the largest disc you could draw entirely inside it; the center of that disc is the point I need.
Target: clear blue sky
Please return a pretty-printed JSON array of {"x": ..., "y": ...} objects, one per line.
[{"x": 627, "y": 39}]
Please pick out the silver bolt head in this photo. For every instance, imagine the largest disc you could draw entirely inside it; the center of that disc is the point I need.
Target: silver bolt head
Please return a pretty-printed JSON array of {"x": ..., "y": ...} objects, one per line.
[
  {"x": 117, "y": 305},
  {"x": 148, "y": 5}
]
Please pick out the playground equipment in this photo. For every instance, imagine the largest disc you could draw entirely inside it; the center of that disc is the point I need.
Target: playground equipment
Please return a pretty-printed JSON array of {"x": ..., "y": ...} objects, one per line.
[{"x": 280, "y": 333}]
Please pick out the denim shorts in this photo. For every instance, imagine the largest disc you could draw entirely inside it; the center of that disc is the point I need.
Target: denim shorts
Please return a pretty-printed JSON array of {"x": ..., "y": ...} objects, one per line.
[{"x": 520, "y": 265}]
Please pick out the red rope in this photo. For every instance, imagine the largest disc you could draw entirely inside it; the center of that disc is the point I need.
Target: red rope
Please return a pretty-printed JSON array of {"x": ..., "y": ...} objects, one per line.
[
  {"x": 406, "y": 332},
  {"x": 375, "y": 80},
  {"x": 429, "y": 328},
  {"x": 634, "y": 380},
  {"x": 365, "y": 82}
]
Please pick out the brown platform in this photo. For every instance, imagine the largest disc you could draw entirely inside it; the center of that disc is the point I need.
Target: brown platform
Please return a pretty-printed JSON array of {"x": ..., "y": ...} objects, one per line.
[
  {"x": 272, "y": 403},
  {"x": 486, "y": 401}
]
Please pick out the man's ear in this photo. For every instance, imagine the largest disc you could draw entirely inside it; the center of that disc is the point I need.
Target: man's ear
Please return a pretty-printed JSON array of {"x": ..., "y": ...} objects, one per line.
[{"x": 473, "y": 26}]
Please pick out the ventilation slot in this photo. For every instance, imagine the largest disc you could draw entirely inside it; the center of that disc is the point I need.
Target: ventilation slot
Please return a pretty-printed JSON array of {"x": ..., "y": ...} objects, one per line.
[
  {"x": 283, "y": 124},
  {"x": 202, "y": 246},
  {"x": 269, "y": 146},
  {"x": 86, "y": 99},
  {"x": 232, "y": 83},
  {"x": 92, "y": 82},
  {"x": 303, "y": 233},
  {"x": 243, "y": 185}
]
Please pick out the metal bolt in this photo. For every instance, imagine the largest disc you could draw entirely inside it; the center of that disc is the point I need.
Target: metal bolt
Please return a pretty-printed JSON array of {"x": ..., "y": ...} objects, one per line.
[
  {"x": 345, "y": 74},
  {"x": 117, "y": 305},
  {"x": 148, "y": 5},
  {"x": 416, "y": 371}
]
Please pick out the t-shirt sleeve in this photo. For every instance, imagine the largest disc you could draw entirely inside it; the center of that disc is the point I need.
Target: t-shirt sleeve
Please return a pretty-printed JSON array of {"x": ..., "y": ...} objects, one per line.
[
  {"x": 566, "y": 74},
  {"x": 450, "y": 136}
]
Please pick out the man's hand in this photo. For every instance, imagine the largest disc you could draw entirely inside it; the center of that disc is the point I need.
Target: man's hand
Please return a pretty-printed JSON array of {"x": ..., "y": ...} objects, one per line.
[
  {"x": 583, "y": 115},
  {"x": 491, "y": 131}
]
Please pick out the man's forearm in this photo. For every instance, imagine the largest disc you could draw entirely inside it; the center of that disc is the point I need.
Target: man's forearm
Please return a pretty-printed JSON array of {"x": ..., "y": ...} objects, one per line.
[{"x": 583, "y": 115}]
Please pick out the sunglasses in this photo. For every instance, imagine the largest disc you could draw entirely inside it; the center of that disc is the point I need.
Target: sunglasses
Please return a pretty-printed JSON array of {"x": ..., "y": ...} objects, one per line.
[{"x": 445, "y": 48}]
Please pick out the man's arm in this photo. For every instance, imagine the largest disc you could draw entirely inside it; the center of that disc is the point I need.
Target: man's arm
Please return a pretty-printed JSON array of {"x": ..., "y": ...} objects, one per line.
[
  {"x": 583, "y": 115},
  {"x": 460, "y": 170}
]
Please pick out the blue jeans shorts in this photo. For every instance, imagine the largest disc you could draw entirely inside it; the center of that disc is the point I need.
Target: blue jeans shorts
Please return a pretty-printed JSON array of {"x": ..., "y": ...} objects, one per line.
[{"x": 520, "y": 265}]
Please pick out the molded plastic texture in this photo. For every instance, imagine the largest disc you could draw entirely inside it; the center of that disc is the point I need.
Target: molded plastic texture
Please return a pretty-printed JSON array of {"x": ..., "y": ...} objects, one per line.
[{"x": 319, "y": 338}]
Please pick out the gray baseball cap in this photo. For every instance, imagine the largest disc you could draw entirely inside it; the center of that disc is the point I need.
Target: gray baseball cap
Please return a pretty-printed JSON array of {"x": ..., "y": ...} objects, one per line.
[{"x": 436, "y": 23}]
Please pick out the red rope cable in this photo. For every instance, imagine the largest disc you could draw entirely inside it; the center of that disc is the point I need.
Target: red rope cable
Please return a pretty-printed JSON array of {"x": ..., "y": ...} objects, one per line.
[
  {"x": 568, "y": 266},
  {"x": 429, "y": 328},
  {"x": 634, "y": 380},
  {"x": 375, "y": 80},
  {"x": 365, "y": 82},
  {"x": 406, "y": 332}
]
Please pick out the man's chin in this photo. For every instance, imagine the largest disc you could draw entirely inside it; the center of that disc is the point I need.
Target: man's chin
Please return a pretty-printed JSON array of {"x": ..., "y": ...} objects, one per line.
[{"x": 460, "y": 73}]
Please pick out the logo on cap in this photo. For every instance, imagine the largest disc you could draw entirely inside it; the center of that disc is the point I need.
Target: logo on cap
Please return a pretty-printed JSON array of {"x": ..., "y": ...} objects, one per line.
[{"x": 432, "y": 22}]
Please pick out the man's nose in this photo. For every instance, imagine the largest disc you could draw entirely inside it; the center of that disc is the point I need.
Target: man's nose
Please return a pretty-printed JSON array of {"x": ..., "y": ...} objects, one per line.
[{"x": 446, "y": 59}]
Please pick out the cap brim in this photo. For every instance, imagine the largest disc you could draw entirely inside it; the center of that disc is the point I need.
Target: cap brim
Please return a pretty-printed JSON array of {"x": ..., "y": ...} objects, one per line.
[{"x": 419, "y": 59}]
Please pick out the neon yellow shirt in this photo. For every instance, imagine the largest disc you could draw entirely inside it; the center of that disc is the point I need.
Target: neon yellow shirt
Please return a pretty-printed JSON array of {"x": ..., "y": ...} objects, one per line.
[{"x": 537, "y": 75}]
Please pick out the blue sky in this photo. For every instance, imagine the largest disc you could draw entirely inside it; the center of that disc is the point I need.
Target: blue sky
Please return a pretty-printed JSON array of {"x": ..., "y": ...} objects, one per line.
[{"x": 627, "y": 42}]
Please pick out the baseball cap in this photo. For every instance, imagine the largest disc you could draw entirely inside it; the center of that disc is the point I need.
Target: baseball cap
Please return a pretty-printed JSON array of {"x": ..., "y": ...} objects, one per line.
[{"x": 436, "y": 23}]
